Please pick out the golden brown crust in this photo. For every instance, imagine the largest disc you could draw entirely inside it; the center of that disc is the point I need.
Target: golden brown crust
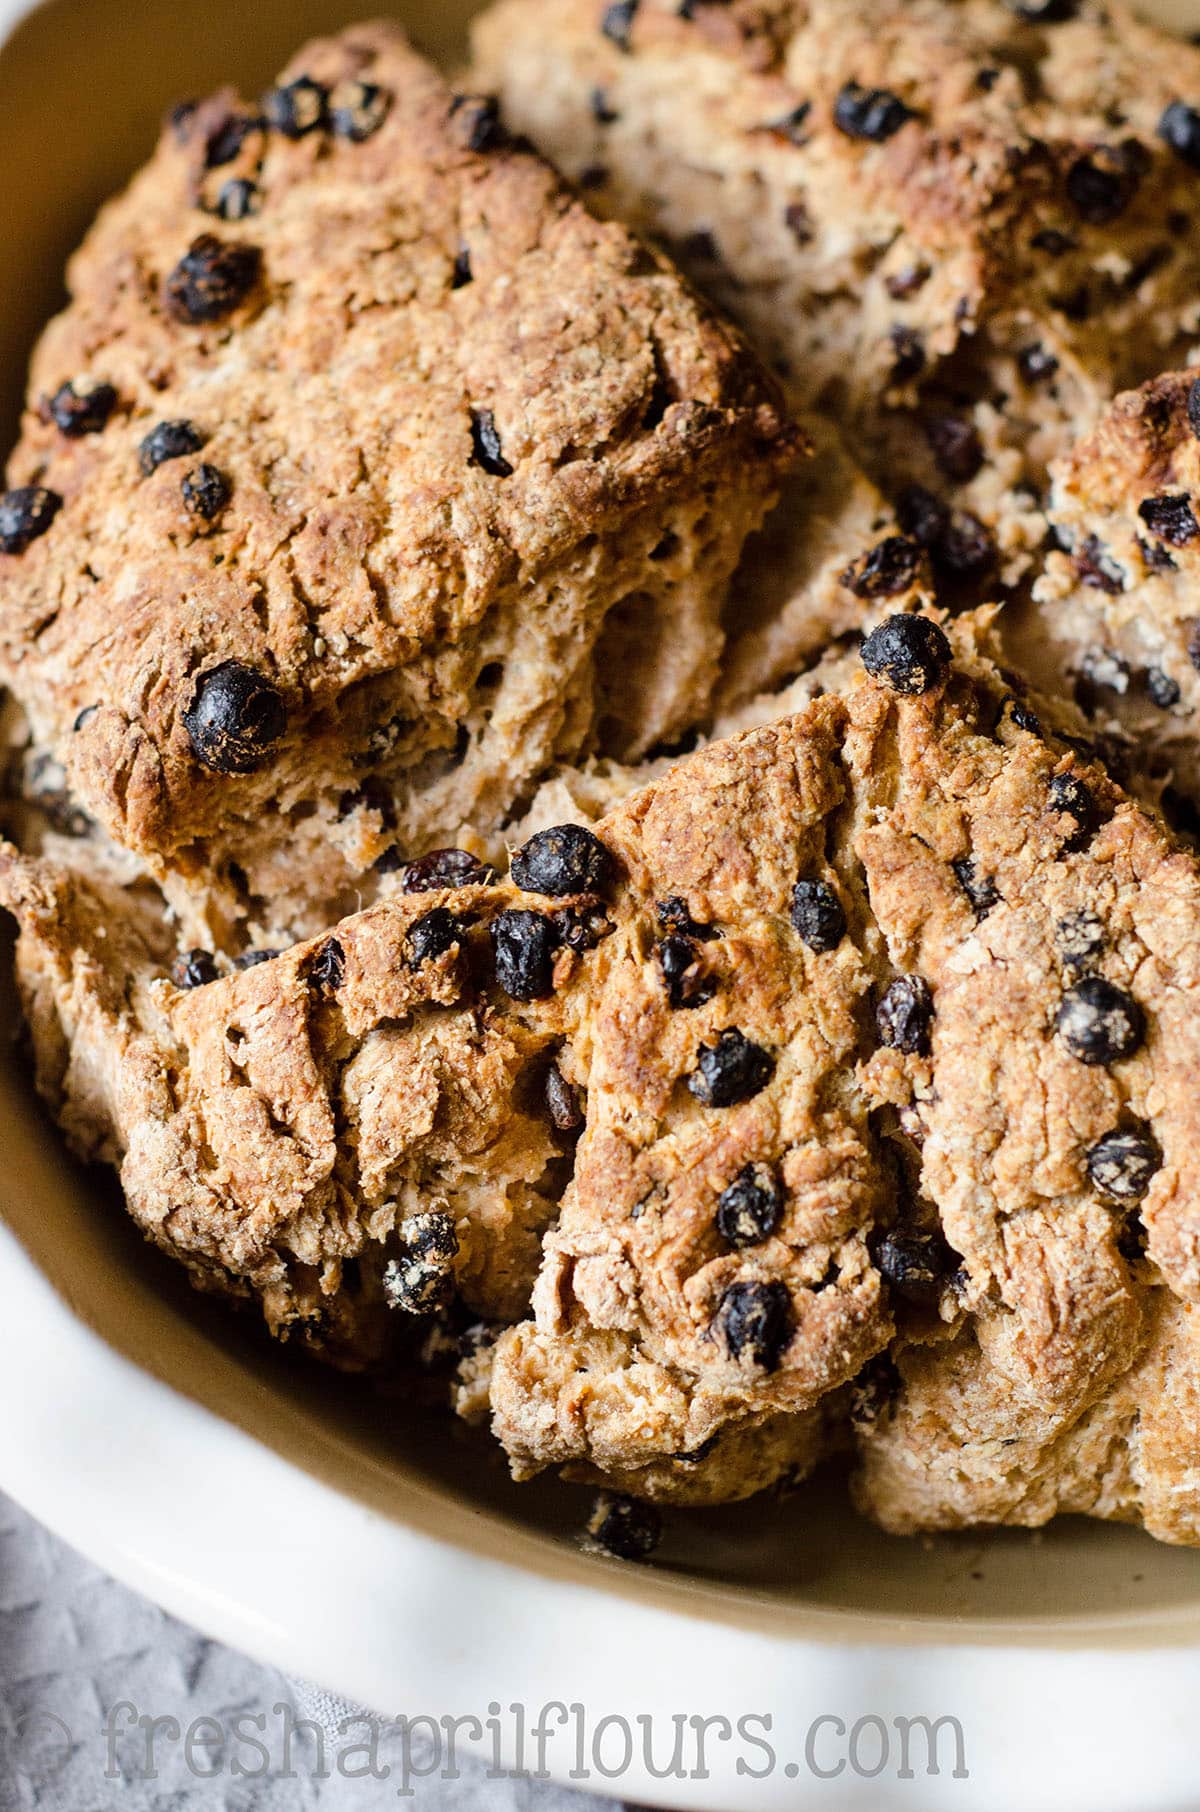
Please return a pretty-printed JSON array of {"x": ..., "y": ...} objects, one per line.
[
  {"x": 276, "y": 1129},
  {"x": 425, "y": 614},
  {"x": 901, "y": 1182},
  {"x": 1007, "y": 253},
  {"x": 974, "y": 853},
  {"x": 1115, "y": 615}
]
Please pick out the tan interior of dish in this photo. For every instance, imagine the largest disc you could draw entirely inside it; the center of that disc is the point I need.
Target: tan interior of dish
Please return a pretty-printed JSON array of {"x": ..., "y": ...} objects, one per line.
[{"x": 82, "y": 88}]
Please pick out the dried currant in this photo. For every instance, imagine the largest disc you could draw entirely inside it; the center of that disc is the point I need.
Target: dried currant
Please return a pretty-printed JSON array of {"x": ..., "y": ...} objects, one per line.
[
  {"x": 297, "y": 108},
  {"x": 869, "y": 113},
  {"x": 486, "y": 446},
  {"x": 625, "y": 1527},
  {"x": 235, "y": 719},
  {"x": 562, "y": 860},
  {"x": 908, "y": 653},
  {"x": 432, "y": 935},
  {"x": 818, "y": 915},
  {"x": 1124, "y": 1163},
  {"x": 205, "y": 492},
  {"x": 25, "y": 514},
  {"x": 756, "y": 1319},
  {"x": 420, "y": 1278},
  {"x": 194, "y": 969},
  {"x": 749, "y": 1210},
  {"x": 77, "y": 409},
  {"x": 445, "y": 868},
  {"x": 211, "y": 279},
  {"x": 1171, "y": 518},
  {"x": 732, "y": 1070},
  {"x": 523, "y": 945},
  {"x": 357, "y": 110},
  {"x": 890, "y": 567},
  {"x": 1098, "y": 1022},
  {"x": 168, "y": 440},
  {"x": 904, "y": 1016}
]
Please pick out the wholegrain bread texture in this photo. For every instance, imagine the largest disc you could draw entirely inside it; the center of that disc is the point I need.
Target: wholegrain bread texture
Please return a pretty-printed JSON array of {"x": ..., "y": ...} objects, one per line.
[
  {"x": 462, "y": 454},
  {"x": 1018, "y": 985},
  {"x": 851, "y": 1095},
  {"x": 955, "y": 225},
  {"x": 277, "y": 1129},
  {"x": 1115, "y": 617}
]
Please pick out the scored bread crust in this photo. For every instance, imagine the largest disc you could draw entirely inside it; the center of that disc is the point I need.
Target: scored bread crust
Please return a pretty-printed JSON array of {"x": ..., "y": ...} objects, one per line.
[
  {"x": 1040, "y": 1329},
  {"x": 482, "y": 452},
  {"x": 1005, "y": 255},
  {"x": 970, "y": 848}
]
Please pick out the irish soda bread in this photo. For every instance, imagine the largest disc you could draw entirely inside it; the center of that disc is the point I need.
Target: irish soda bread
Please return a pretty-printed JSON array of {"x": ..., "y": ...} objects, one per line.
[
  {"x": 854, "y": 1055},
  {"x": 728, "y": 1013},
  {"x": 958, "y": 226},
  {"x": 362, "y": 468}
]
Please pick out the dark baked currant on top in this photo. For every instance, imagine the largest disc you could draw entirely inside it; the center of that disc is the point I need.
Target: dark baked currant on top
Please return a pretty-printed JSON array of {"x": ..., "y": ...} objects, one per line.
[
  {"x": 1170, "y": 518},
  {"x": 870, "y": 113},
  {"x": 732, "y": 1070},
  {"x": 478, "y": 122},
  {"x": 419, "y": 1279},
  {"x": 486, "y": 445},
  {"x": 625, "y": 1527},
  {"x": 562, "y": 860},
  {"x": 432, "y": 935},
  {"x": 25, "y": 514},
  {"x": 904, "y": 1014},
  {"x": 82, "y": 408},
  {"x": 916, "y": 1265},
  {"x": 297, "y": 108},
  {"x": 979, "y": 888},
  {"x": 616, "y": 22},
  {"x": 748, "y": 1211},
  {"x": 168, "y": 440},
  {"x": 890, "y": 567},
  {"x": 1069, "y": 795},
  {"x": 1123, "y": 1164},
  {"x": 445, "y": 868},
  {"x": 756, "y": 1319},
  {"x": 1179, "y": 127},
  {"x": 205, "y": 491},
  {"x": 1080, "y": 936},
  {"x": 909, "y": 654},
  {"x": 679, "y": 962},
  {"x": 523, "y": 946},
  {"x": 211, "y": 279},
  {"x": 194, "y": 969},
  {"x": 1098, "y": 1022},
  {"x": 817, "y": 915},
  {"x": 327, "y": 970},
  {"x": 238, "y": 198},
  {"x": 235, "y": 719},
  {"x": 1101, "y": 185}
]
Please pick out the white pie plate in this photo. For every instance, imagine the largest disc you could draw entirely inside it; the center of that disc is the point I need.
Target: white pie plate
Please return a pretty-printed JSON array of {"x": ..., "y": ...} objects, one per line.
[{"x": 372, "y": 1546}]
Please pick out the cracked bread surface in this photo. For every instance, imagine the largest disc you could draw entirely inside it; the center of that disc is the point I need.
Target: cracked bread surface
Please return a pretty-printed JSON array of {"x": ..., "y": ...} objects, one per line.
[
  {"x": 1013, "y": 1299},
  {"x": 276, "y": 1129},
  {"x": 1115, "y": 616},
  {"x": 459, "y": 453},
  {"x": 845, "y": 1164},
  {"x": 993, "y": 242}
]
